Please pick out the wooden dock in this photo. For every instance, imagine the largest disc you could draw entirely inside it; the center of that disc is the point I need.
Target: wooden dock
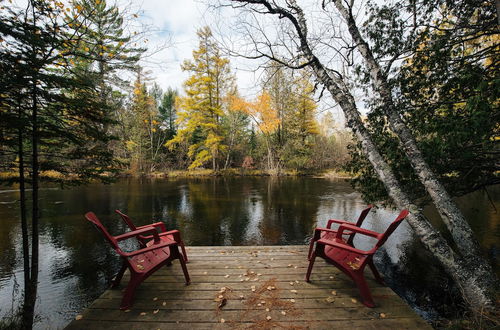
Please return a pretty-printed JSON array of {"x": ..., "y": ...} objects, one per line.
[{"x": 248, "y": 287}]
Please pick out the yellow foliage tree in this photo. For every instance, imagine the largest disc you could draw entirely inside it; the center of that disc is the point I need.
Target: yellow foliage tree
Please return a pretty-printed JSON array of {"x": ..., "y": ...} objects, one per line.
[{"x": 201, "y": 110}]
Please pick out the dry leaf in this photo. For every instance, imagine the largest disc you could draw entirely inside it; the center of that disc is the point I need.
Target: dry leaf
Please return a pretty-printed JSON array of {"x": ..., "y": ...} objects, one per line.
[
  {"x": 334, "y": 292},
  {"x": 259, "y": 305},
  {"x": 242, "y": 297},
  {"x": 140, "y": 267},
  {"x": 289, "y": 265},
  {"x": 226, "y": 267},
  {"x": 226, "y": 276},
  {"x": 291, "y": 283},
  {"x": 222, "y": 303},
  {"x": 263, "y": 302},
  {"x": 296, "y": 281},
  {"x": 205, "y": 273},
  {"x": 222, "y": 320},
  {"x": 156, "y": 311},
  {"x": 259, "y": 274},
  {"x": 127, "y": 310},
  {"x": 267, "y": 309},
  {"x": 283, "y": 312},
  {"x": 354, "y": 301},
  {"x": 382, "y": 315},
  {"x": 155, "y": 298},
  {"x": 293, "y": 291},
  {"x": 292, "y": 300},
  {"x": 164, "y": 303},
  {"x": 330, "y": 300},
  {"x": 143, "y": 313},
  {"x": 78, "y": 317},
  {"x": 268, "y": 318}
]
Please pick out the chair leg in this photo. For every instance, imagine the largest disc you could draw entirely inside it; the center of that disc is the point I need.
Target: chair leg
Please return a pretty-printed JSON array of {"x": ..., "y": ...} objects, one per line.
[
  {"x": 364, "y": 290},
  {"x": 119, "y": 275},
  {"x": 184, "y": 268},
  {"x": 375, "y": 272},
  {"x": 181, "y": 243},
  {"x": 311, "y": 264},
  {"x": 311, "y": 246},
  {"x": 128, "y": 295}
]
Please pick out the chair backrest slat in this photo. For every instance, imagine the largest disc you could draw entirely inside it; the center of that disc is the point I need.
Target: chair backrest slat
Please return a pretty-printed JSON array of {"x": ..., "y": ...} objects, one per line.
[
  {"x": 127, "y": 220},
  {"x": 90, "y": 216},
  {"x": 392, "y": 227}
]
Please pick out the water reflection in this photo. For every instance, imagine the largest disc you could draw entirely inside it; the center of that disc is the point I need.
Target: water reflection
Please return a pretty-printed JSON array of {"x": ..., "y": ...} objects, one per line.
[{"x": 76, "y": 262}]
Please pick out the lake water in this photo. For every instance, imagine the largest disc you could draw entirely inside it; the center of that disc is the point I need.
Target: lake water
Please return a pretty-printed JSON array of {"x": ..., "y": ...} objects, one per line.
[{"x": 76, "y": 263}]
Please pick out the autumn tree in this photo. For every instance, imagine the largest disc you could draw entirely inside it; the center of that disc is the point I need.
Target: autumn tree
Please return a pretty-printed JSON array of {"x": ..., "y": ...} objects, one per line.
[
  {"x": 265, "y": 117},
  {"x": 202, "y": 108}
]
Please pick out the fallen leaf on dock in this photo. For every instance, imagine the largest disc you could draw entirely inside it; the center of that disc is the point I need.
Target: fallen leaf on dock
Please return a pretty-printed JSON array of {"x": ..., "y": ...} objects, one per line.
[
  {"x": 155, "y": 298},
  {"x": 283, "y": 313},
  {"x": 330, "y": 300},
  {"x": 222, "y": 320},
  {"x": 293, "y": 291},
  {"x": 78, "y": 317},
  {"x": 164, "y": 303},
  {"x": 222, "y": 303},
  {"x": 354, "y": 301},
  {"x": 127, "y": 310},
  {"x": 382, "y": 316},
  {"x": 156, "y": 311},
  {"x": 268, "y": 318},
  {"x": 143, "y": 313}
]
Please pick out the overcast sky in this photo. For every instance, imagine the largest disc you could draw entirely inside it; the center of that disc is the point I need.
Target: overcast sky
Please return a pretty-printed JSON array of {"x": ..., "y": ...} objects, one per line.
[{"x": 175, "y": 22}]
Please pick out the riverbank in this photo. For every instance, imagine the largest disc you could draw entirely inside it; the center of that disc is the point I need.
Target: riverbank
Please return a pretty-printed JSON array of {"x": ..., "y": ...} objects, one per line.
[{"x": 238, "y": 172}]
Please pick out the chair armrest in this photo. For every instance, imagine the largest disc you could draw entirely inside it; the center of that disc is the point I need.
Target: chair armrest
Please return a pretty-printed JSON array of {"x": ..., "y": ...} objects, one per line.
[
  {"x": 175, "y": 233},
  {"x": 348, "y": 232},
  {"x": 344, "y": 246},
  {"x": 159, "y": 225},
  {"x": 356, "y": 229},
  {"x": 340, "y": 222},
  {"x": 147, "y": 249},
  {"x": 139, "y": 232}
]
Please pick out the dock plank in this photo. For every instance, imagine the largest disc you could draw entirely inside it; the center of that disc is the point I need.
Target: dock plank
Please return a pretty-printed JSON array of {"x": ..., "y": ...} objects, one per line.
[{"x": 331, "y": 300}]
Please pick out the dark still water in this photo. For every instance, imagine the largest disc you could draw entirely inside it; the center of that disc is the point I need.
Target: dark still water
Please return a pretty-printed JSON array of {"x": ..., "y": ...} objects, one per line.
[{"x": 76, "y": 262}]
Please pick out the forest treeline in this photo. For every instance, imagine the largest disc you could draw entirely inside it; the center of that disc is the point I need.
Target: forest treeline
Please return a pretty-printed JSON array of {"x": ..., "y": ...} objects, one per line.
[{"x": 208, "y": 124}]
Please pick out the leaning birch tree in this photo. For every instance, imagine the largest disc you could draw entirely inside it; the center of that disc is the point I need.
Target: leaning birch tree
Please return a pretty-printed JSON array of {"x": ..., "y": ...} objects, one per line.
[{"x": 292, "y": 37}]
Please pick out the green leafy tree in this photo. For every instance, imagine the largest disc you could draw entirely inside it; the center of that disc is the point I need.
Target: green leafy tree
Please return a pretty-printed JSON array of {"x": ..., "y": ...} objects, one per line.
[{"x": 448, "y": 93}]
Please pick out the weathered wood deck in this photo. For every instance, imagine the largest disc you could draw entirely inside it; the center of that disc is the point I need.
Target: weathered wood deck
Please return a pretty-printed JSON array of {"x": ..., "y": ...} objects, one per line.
[{"x": 276, "y": 273}]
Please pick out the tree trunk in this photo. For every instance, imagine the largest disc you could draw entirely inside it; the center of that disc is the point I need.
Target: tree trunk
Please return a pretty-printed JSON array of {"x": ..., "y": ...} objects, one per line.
[
  {"x": 24, "y": 220},
  {"x": 456, "y": 223}
]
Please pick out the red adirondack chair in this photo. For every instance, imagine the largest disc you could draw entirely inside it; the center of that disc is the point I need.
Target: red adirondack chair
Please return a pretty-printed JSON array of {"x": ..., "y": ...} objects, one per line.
[
  {"x": 350, "y": 260},
  {"x": 160, "y": 226},
  {"x": 328, "y": 232},
  {"x": 145, "y": 261}
]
